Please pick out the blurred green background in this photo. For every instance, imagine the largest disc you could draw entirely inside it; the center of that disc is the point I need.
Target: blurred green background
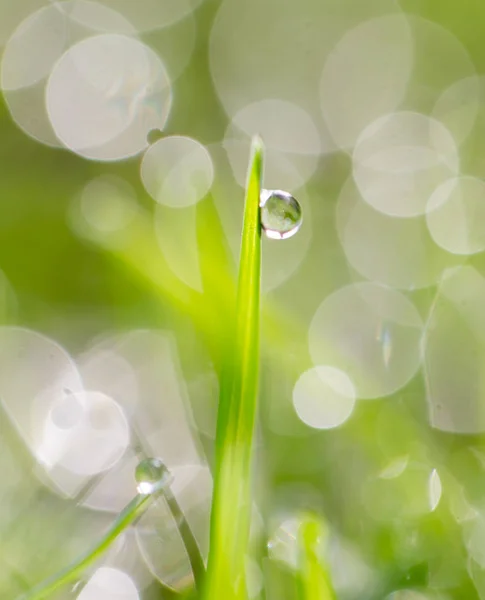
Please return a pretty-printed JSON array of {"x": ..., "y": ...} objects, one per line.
[{"x": 125, "y": 133}]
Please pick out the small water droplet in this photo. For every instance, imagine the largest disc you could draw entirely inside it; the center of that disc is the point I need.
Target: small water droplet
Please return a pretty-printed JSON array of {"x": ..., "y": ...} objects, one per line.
[
  {"x": 281, "y": 214},
  {"x": 151, "y": 476}
]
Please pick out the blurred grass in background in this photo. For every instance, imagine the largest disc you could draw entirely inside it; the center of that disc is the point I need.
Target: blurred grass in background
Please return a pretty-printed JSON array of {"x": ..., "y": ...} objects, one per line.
[{"x": 125, "y": 135}]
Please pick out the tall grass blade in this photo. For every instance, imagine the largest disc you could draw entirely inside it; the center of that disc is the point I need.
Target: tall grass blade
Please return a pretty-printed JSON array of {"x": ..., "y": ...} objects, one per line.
[{"x": 231, "y": 508}]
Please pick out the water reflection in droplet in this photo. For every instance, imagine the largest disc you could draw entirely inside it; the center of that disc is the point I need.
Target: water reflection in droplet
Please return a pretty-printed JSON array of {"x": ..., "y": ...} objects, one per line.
[
  {"x": 281, "y": 214},
  {"x": 151, "y": 475}
]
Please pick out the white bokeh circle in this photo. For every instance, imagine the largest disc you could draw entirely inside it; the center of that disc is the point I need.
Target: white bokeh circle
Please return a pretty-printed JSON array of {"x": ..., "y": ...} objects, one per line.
[
  {"x": 291, "y": 139},
  {"x": 41, "y": 39},
  {"x": 324, "y": 397},
  {"x": 253, "y": 59},
  {"x": 33, "y": 49},
  {"x": 107, "y": 204},
  {"x": 397, "y": 252},
  {"x": 105, "y": 94},
  {"x": 399, "y": 160},
  {"x": 85, "y": 433},
  {"x": 366, "y": 75},
  {"x": 372, "y": 333},
  {"x": 177, "y": 171}
]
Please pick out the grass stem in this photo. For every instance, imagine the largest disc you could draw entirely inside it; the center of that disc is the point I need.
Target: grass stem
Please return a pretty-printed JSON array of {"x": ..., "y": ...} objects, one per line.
[{"x": 231, "y": 508}]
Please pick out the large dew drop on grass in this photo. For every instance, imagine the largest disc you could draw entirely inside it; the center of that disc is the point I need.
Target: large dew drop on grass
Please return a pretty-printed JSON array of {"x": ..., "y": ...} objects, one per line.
[
  {"x": 151, "y": 476},
  {"x": 280, "y": 214}
]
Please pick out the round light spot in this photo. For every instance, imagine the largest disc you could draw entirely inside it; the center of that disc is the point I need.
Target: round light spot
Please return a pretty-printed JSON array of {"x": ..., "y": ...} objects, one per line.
[
  {"x": 109, "y": 584},
  {"x": 45, "y": 35},
  {"x": 456, "y": 213},
  {"x": 105, "y": 94},
  {"x": 108, "y": 204},
  {"x": 324, "y": 397},
  {"x": 104, "y": 370},
  {"x": 104, "y": 211},
  {"x": 397, "y": 252},
  {"x": 89, "y": 445},
  {"x": 28, "y": 400},
  {"x": 33, "y": 49},
  {"x": 370, "y": 332},
  {"x": 268, "y": 67},
  {"x": 361, "y": 80},
  {"x": 134, "y": 368},
  {"x": 292, "y": 142},
  {"x": 67, "y": 411},
  {"x": 177, "y": 171},
  {"x": 400, "y": 159},
  {"x": 282, "y": 125}
]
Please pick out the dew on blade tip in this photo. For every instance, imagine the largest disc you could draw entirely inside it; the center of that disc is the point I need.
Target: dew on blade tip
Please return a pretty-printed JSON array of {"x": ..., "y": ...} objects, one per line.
[{"x": 281, "y": 214}]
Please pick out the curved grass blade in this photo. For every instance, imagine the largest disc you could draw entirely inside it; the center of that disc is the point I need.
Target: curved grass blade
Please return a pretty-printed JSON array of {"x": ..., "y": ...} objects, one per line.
[
  {"x": 231, "y": 507},
  {"x": 191, "y": 546},
  {"x": 314, "y": 579},
  {"x": 131, "y": 512}
]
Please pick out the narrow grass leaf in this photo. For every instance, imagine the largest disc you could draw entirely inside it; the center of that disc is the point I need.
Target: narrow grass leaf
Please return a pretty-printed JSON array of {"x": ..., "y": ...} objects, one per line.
[
  {"x": 231, "y": 508},
  {"x": 314, "y": 578}
]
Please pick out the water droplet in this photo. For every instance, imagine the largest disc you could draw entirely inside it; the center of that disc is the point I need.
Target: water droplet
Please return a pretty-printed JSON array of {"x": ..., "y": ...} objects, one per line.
[
  {"x": 280, "y": 214},
  {"x": 151, "y": 476}
]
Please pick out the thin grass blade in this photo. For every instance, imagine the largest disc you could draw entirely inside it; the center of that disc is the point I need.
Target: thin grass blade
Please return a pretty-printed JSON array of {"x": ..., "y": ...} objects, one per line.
[
  {"x": 231, "y": 508},
  {"x": 315, "y": 581}
]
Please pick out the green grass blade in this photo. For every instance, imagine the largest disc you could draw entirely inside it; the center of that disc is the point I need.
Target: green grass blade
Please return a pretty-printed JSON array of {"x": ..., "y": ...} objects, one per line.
[
  {"x": 231, "y": 506},
  {"x": 314, "y": 579},
  {"x": 131, "y": 512},
  {"x": 188, "y": 538}
]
